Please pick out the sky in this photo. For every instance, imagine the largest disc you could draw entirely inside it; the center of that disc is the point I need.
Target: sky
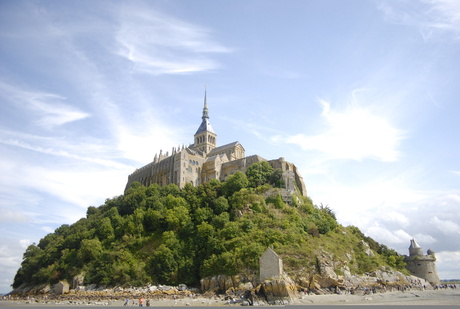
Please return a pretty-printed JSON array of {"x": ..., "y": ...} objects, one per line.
[{"x": 362, "y": 96}]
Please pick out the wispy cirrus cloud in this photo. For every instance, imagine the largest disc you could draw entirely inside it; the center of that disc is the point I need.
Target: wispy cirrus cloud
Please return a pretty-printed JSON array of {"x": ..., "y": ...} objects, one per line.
[
  {"x": 430, "y": 16},
  {"x": 100, "y": 154},
  {"x": 49, "y": 107},
  {"x": 159, "y": 44}
]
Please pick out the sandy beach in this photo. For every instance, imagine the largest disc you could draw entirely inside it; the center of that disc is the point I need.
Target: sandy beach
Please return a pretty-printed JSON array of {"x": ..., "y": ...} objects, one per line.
[
  {"x": 445, "y": 297},
  {"x": 449, "y": 297}
]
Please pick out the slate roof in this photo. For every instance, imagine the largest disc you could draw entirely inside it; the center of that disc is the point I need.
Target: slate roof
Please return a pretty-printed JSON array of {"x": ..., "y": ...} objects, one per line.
[{"x": 205, "y": 126}]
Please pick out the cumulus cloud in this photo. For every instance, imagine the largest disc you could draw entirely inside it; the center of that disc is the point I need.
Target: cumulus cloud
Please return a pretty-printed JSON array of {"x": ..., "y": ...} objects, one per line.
[
  {"x": 395, "y": 217},
  {"x": 355, "y": 133},
  {"x": 11, "y": 251},
  {"x": 390, "y": 237},
  {"x": 445, "y": 226},
  {"x": 425, "y": 239},
  {"x": 449, "y": 260}
]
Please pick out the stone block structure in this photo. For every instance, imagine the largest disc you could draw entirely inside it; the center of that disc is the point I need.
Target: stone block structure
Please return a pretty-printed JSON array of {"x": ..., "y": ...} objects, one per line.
[
  {"x": 422, "y": 266},
  {"x": 203, "y": 161},
  {"x": 61, "y": 287},
  {"x": 271, "y": 265}
]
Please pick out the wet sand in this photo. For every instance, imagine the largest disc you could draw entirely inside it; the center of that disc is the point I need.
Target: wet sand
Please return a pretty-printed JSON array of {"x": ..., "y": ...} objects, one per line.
[{"x": 449, "y": 297}]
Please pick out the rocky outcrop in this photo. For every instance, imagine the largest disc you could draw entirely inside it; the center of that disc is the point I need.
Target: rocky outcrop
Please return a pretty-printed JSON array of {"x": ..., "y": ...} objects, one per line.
[
  {"x": 26, "y": 289},
  {"x": 230, "y": 285},
  {"x": 385, "y": 278},
  {"x": 277, "y": 288}
]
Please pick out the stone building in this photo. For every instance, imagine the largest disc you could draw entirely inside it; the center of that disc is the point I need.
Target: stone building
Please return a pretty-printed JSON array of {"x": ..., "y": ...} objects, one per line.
[
  {"x": 270, "y": 264},
  {"x": 422, "y": 266},
  {"x": 61, "y": 287},
  {"x": 204, "y": 160}
]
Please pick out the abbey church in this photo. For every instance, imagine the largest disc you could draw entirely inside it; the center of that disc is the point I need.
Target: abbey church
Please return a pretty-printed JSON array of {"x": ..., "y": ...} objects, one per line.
[{"x": 203, "y": 160}]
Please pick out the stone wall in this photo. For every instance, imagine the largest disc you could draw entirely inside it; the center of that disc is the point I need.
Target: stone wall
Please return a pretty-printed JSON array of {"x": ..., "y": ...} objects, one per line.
[{"x": 191, "y": 166}]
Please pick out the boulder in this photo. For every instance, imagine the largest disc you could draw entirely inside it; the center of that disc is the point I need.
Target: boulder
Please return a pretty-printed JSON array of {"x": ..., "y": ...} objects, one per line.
[
  {"x": 226, "y": 284},
  {"x": 367, "y": 249},
  {"x": 276, "y": 288}
]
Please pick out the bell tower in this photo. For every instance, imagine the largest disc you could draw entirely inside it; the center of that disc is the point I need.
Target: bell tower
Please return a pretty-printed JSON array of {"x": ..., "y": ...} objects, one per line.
[{"x": 205, "y": 137}]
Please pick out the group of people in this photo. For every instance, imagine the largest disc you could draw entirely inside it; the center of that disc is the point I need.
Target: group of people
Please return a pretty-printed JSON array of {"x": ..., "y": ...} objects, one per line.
[
  {"x": 445, "y": 286},
  {"x": 141, "y": 302}
]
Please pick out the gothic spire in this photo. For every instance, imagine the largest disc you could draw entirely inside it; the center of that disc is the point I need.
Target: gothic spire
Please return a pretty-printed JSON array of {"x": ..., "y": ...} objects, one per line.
[
  {"x": 205, "y": 108},
  {"x": 205, "y": 124}
]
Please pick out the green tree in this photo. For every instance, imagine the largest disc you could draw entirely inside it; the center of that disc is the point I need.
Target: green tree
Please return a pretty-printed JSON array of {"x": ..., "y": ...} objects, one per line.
[
  {"x": 104, "y": 229},
  {"x": 90, "y": 249},
  {"x": 163, "y": 265},
  {"x": 276, "y": 178},
  {"x": 220, "y": 205},
  {"x": 234, "y": 183},
  {"x": 134, "y": 198},
  {"x": 259, "y": 173},
  {"x": 177, "y": 218}
]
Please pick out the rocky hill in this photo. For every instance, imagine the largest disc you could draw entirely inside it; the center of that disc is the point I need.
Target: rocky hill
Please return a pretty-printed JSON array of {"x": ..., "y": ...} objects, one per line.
[{"x": 206, "y": 237}]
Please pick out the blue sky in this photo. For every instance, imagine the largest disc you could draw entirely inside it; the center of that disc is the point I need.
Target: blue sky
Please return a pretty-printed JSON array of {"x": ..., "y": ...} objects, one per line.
[{"x": 361, "y": 95}]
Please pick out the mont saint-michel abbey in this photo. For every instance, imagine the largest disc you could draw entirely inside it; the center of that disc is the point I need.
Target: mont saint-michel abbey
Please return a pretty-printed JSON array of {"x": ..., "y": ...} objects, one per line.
[{"x": 203, "y": 160}]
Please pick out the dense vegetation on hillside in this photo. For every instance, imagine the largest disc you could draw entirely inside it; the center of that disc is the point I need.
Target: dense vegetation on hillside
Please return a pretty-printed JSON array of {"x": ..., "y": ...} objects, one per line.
[{"x": 169, "y": 235}]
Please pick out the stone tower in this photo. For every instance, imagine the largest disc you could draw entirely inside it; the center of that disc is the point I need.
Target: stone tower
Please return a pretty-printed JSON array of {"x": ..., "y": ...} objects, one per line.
[
  {"x": 203, "y": 161},
  {"x": 205, "y": 137},
  {"x": 422, "y": 266}
]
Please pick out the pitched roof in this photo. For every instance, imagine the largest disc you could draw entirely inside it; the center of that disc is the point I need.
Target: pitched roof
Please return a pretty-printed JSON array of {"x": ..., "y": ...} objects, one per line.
[
  {"x": 220, "y": 148},
  {"x": 205, "y": 126}
]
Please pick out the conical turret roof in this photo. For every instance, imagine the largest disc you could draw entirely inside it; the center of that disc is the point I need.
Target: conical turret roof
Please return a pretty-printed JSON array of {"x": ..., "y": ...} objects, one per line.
[{"x": 414, "y": 244}]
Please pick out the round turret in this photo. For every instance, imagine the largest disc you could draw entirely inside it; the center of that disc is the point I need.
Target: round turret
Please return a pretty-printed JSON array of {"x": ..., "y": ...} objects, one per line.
[{"x": 422, "y": 266}]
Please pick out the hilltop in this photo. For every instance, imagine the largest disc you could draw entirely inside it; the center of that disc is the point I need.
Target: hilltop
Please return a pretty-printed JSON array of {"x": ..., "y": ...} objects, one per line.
[{"x": 168, "y": 235}]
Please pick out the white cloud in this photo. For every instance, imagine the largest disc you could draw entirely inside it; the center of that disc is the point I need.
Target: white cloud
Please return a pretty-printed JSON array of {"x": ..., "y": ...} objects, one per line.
[
  {"x": 50, "y": 110},
  {"x": 56, "y": 114},
  {"x": 159, "y": 44},
  {"x": 447, "y": 227},
  {"x": 24, "y": 243},
  {"x": 355, "y": 133},
  {"x": 10, "y": 215},
  {"x": 425, "y": 239},
  {"x": 386, "y": 236},
  {"x": 59, "y": 147},
  {"x": 447, "y": 264},
  {"x": 11, "y": 252},
  {"x": 395, "y": 217},
  {"x": 142, "y": 145},
  {"x": 431, "y": 17}
]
